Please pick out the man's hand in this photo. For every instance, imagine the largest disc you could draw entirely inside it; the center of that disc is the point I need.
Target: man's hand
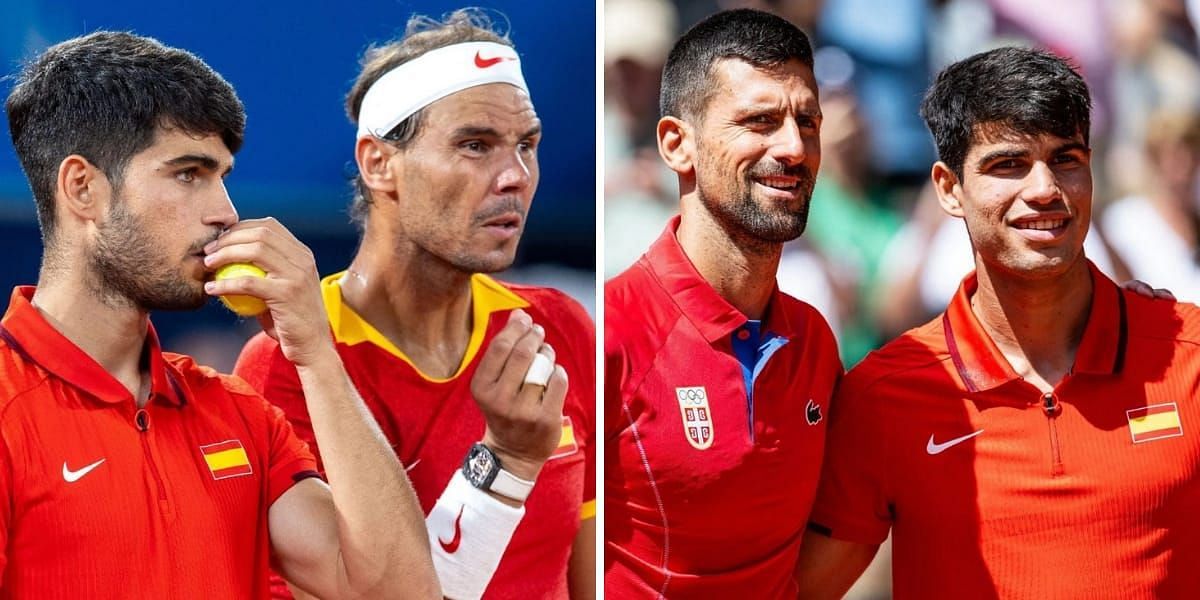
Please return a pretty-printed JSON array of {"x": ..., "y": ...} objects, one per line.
[
  {"x": 291, "y": 289},
  {"x": 524, "y": 421},
  {"x": 1142, "y": 288}
]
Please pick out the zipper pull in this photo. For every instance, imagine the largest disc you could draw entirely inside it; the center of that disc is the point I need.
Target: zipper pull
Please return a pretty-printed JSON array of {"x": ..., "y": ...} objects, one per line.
[
  {"x": 1050, "y": 404},
  {"x": 142, "y": 420}
]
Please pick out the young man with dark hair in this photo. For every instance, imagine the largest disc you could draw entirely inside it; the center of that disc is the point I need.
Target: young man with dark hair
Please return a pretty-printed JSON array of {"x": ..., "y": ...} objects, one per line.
[
  {"x": 717, "y": 384},
  {"x": 1033, "y": 441},
  {"x": 128, "y": 472},
  {"x": 447, "y": 160}
]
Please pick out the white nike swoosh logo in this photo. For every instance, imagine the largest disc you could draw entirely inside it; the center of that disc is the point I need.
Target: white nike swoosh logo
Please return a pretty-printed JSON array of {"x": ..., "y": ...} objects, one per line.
[
  {"x": 934, "y": 448},
  {"x": 73, "y": 476},
  {"x": 414, "y": 463}
]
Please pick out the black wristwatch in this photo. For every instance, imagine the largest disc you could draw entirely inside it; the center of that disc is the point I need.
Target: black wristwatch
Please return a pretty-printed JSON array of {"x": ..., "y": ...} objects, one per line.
[{"x": 483, "y": 470}]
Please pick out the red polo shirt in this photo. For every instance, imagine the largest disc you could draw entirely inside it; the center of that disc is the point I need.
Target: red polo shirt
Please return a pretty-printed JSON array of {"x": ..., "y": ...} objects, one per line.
[
  {"x": 103, "y": 500},
  {"x": 992, "y": 489},
  {"x": 707, "y": 488},
  {"x": 432, "y": 422}
]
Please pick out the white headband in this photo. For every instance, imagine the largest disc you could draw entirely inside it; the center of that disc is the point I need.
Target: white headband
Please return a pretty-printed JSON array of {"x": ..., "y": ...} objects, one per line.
[{"x": 433, "y": 76}]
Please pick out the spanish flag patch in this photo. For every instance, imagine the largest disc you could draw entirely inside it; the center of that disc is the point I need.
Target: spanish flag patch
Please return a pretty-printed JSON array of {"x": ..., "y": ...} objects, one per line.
[
  {"x": 1154, "y": 422},
  {"x": 566, "y": 443},
  {"x": 226, "y": 459}
]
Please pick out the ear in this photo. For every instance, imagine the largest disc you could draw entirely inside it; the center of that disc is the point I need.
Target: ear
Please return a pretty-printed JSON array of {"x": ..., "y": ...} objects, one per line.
[
  {"x": 677, "y": 145},
  {"x": 949, "y": 191},
  {"x": 81, "y": 190},
  {"x": 372, "y": 156}
]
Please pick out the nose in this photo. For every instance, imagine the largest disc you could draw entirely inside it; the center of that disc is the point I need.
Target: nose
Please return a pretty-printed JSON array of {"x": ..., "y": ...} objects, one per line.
[
  {"x": 790, "y": 145},
  {"x": 1041, "y": 185},
  {"x": 517, "y": 174},
  {"x": 220, "y": 211}
]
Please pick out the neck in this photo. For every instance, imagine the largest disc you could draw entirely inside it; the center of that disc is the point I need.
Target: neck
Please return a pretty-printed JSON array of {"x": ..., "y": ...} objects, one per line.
[
  {"x": 417, "y": 301},
  {"x": 1036, "y": 323},
  {"x": 112, "y": 333},
  {"x": 741, "y": 269}
]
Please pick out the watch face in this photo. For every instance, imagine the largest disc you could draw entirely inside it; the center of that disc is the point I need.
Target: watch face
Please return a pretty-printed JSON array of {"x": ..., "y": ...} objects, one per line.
[{"x": 480, "y": 466}]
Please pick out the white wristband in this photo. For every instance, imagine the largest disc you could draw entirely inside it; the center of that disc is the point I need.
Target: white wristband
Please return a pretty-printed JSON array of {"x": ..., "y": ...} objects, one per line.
[
  {"x": 468, "y": 533},
  {"x": 540, "y": 370}
]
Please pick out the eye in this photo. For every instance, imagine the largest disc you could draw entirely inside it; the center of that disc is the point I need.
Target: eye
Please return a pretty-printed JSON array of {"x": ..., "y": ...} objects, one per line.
[
  {"x": 474, "y": 146},
  {"x": 528, "y": 146},
  {"x": 186, "y": 175}
]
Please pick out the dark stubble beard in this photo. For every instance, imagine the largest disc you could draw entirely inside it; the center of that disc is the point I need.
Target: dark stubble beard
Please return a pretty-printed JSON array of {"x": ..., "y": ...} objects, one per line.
[
  {"x": 463, "y": 260},
  {"x": 129, "y": 269},
  {"x": 769, "y": 222}
]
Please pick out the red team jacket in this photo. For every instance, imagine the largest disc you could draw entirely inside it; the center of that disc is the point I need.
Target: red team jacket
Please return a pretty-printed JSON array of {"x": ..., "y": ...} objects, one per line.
[
  {"x": 706, "y": 493},
  {"x": 103, "y": 500},
  {"x": 992, "y": 489}
]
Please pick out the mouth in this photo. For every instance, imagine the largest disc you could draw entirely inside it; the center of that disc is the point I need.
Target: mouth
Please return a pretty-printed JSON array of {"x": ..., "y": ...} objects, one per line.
[
  {"x": 779, "y": 183},
  {"x": 1041, "y": 225},
  {"x": 1042, "y": 229},
  {"x": 505, "y": 221},
  {"x": 504, "y": 227}
]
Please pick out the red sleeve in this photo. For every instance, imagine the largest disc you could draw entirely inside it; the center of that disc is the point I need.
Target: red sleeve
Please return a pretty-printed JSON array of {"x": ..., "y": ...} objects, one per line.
[
  {"x": 264, "y": 367},
  {"x": 853, "y": 502},
  {"x": 291, "y": 460}
]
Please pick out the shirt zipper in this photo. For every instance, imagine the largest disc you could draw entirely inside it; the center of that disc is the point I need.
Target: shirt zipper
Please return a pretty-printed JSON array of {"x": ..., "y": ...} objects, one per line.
[
  {"x": 1052, "y": 409},
  {"x": 141, "y": 420}
]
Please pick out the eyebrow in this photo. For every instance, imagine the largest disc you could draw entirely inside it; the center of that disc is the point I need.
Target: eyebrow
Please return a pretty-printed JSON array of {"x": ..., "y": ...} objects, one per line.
[
  {"x": 203, "y": 160},
  {"x": 471, "y": 131},
  {"x": 1022, "y": 153}
]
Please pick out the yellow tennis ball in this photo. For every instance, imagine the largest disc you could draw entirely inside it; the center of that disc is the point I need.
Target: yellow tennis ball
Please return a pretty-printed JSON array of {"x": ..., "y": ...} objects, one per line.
[{"x": 246, "y": 306}]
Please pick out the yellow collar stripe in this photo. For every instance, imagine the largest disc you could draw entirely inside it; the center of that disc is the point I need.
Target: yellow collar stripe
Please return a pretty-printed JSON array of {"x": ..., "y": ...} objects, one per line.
[{"x": 487, "y": 297}]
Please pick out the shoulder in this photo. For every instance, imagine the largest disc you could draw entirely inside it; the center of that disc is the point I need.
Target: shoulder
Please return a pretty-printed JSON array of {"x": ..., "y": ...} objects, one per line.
[
  {"x": 223, "y": 396},
  {"x": 804, "y": 315},
  {"x": 808, "y": 327},
  {"x": 1159, "y": 319},
  {"x": 206, "y": 382},
  {"x": 638, "y": 311},
  {"x": 260, "y": 347},
  {"x": 20, "y": 378},
  {"x": 900, "y": 361},
  {"x": 627, "y": 287},
  {"x": 554, "y": 304},
  {"x": 262, "y": 360}
]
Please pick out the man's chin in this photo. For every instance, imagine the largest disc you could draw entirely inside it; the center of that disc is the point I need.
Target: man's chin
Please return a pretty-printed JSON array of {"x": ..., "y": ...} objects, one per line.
[
  {"x": 194, "y": 300},
  {"x": 491, "y": 262},
  {"x": 778, "y": 228}
]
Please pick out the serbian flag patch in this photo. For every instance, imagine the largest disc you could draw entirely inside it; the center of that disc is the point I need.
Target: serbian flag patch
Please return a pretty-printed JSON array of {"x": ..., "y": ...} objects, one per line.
[
  {"x": 566, "y": 442},
  {"x": 1154, "y": 422},
  {"x": 226, "y": 459}
]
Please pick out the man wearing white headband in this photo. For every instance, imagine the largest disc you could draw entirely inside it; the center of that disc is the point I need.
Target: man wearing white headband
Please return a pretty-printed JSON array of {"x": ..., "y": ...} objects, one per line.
[{"x": 466, "y": 375}]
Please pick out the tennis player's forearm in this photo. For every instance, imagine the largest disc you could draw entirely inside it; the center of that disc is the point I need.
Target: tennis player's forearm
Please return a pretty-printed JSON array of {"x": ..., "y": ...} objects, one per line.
[{"x": 381, "y": 528}]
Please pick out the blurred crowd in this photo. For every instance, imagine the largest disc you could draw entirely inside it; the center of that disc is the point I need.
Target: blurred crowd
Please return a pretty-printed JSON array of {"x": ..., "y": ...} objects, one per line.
[{"x": 879, "y": 256}]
